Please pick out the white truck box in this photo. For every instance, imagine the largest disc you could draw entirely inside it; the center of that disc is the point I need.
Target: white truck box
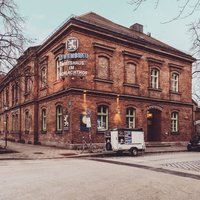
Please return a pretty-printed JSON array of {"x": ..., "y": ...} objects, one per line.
[{"x": 119, "y": 140}]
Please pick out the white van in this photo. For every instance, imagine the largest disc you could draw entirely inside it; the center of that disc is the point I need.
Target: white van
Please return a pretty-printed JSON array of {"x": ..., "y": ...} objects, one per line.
[{"x": 119, "y": 140}]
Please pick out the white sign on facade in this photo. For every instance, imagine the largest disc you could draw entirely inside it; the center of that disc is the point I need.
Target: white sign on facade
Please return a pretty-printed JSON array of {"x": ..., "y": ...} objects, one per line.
[
  {"x": 88, "y": 122},
  {"x": 73, "y": 63},
  {"x": 72, "y": 44}
]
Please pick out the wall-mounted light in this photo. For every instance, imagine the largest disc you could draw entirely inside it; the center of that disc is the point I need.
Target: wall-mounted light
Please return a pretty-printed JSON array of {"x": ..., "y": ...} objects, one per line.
[
  {"x": 149, "y": 115},
  {"x": 118, "y": 110}
]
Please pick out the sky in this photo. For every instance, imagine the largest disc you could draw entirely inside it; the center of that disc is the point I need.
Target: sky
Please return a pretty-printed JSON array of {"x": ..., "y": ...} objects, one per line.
[{"x": 44, "y": 16}]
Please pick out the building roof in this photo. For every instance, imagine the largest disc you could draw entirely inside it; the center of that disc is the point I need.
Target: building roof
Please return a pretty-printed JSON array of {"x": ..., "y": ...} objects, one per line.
[
  {"x": 97, "y": 20},
  {"x": 94, "y": 22}
]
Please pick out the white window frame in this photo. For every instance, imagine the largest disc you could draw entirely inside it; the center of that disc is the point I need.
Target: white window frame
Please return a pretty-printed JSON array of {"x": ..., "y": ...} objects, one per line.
[
  {"x": 44, "y": 119},
  {"x": 175, "y": 82},
  {"x": 174, "y": 121},
  {"x": 102, "y": 118},
  {"x": 154, "y": 78},
  {"x": 27, "y": 121},
  {"x": 59, "y": 69},
  {"x": 130, "y": 118},
  {"x": 59, "y": 118}
]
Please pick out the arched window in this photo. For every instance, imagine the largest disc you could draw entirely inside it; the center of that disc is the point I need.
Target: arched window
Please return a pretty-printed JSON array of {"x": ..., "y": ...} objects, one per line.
[
  {"x": 130, "y": 118},
  {"x": 103, "y": 67},
  {"x": 154, "y": 78},
  {"x": 59, "y": 69},
  {"x": 174, "y": 122},
  {"x": 44, "y": 119},
  {"x": 27, "y": 121},
  {"x": 102, "y": 118},
  {"x": 59, "y": 118},
  {"x": 131, "y": 73},
  {"x": 174, "y": 82},
  {"x": 27, "y": 82},
  {"x": 43, "y": 77}
]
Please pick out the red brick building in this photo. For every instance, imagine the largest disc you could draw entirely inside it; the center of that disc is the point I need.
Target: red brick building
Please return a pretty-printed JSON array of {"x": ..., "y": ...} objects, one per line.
[{"x": 93, "y": 72}]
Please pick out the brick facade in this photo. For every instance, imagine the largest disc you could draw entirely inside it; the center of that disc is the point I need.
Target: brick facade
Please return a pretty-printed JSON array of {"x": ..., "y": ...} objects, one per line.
[{"x": 119, "y": 66}]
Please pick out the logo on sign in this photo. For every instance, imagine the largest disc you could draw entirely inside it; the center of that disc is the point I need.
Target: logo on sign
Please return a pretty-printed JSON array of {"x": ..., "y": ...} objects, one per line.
[{"x": 72, "y": 44}]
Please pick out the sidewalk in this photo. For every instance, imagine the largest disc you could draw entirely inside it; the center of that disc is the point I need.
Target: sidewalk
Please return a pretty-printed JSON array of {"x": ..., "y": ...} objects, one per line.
[{"x": 28, "y": 151}]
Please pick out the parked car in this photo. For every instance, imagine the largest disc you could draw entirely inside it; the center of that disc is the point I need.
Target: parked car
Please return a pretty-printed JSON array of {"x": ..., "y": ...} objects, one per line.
[{"x": 194, "y": 143}]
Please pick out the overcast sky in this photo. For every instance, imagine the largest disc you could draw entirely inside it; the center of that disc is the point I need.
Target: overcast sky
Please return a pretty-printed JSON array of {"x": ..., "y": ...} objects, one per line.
[{"x": 44, "y": 16}]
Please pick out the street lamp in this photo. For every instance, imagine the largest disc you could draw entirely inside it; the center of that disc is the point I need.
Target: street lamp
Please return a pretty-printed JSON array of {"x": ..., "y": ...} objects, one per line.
[{"x": 5, "y": 126}]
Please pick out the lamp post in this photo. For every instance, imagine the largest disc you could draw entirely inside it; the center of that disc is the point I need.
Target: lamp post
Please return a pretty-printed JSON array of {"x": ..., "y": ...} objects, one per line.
[{"x": 5, "y": 126}]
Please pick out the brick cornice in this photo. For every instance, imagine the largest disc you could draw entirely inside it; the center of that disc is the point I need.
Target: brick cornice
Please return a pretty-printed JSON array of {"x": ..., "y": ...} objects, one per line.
[{"x": 110, "y": 94}]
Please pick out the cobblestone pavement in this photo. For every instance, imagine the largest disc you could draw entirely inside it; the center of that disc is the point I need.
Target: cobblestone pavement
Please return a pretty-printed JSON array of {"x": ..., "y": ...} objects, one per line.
[{"x": 190, "y": 165}]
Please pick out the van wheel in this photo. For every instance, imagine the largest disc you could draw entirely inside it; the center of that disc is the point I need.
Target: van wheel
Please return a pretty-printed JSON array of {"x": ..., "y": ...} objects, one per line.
[
  {"x": 108, "y": 146},
  {"x": 134, "y": 152}
]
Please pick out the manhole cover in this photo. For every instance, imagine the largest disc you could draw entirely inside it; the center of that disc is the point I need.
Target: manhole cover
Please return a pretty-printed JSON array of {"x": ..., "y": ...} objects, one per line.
[
  {"x": 38, "y": 153},
  {"x": 67, "y": 154}
]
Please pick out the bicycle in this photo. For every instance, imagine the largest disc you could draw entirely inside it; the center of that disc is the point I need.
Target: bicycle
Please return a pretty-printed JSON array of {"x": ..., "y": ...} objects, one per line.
[{"x": 86, "y": 146}]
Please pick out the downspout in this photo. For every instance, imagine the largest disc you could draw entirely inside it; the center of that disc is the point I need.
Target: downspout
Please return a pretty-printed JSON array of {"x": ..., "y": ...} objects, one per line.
[{"x": 36, "y": 87}]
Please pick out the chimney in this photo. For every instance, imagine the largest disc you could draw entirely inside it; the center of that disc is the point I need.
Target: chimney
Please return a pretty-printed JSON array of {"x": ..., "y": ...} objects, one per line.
[{"x": 137, "y": 27}]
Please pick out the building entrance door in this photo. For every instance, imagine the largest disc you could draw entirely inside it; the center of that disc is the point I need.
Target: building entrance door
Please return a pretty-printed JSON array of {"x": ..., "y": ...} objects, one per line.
[{"x": 153, "y": 125}]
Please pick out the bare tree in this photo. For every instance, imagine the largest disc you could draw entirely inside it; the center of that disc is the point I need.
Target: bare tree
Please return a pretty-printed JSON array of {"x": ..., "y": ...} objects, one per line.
[
  {"x": 12, "y": 38},
  {"x": 186, "y": 8}
]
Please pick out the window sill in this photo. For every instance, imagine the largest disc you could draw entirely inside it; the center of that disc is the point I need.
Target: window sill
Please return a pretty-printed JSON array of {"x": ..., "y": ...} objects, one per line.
[
  {"x": 43, "y": 88},
  {"x": 155, "y": 89},
  {"x": 175, "y": 133},
  {"x": 14, "y": 132},
  {"x": 102, "y": 131},
  {"x": 176, "y": 93},
  {"x": 103, "y": 80},
  {"x": 131, "y": 85},
  {"x": 43, "y": 132},
  {"x": 58, "y": 132}
]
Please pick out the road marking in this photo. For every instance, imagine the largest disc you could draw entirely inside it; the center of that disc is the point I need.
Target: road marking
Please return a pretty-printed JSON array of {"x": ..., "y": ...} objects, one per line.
[
  {"x": 156, "y": 169},
  {"x": 189, "y": 165}
]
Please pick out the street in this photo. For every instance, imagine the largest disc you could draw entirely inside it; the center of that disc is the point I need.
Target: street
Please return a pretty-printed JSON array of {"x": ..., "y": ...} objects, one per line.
[{"x": 155, "y": 176}]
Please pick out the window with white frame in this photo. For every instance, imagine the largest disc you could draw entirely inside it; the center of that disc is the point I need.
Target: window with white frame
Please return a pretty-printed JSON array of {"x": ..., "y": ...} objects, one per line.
[
  {"x": 59, "y": 69},
  {"x": 27, "y": 121},
  {"x": 15, "y": 93},
  {"x": 175, "y": 82},
  {"x": 102, "y": 118},
  {"x": 44, "y": 120},
  {"x": 174, "y": 122},
  {"x": 130, "y": 118},
  {"x": 154, "y": 78},
  {"x": 59, "y": 118},
  {"x": 43, "y": 78},
  {"x": 130, "y": 73}
]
